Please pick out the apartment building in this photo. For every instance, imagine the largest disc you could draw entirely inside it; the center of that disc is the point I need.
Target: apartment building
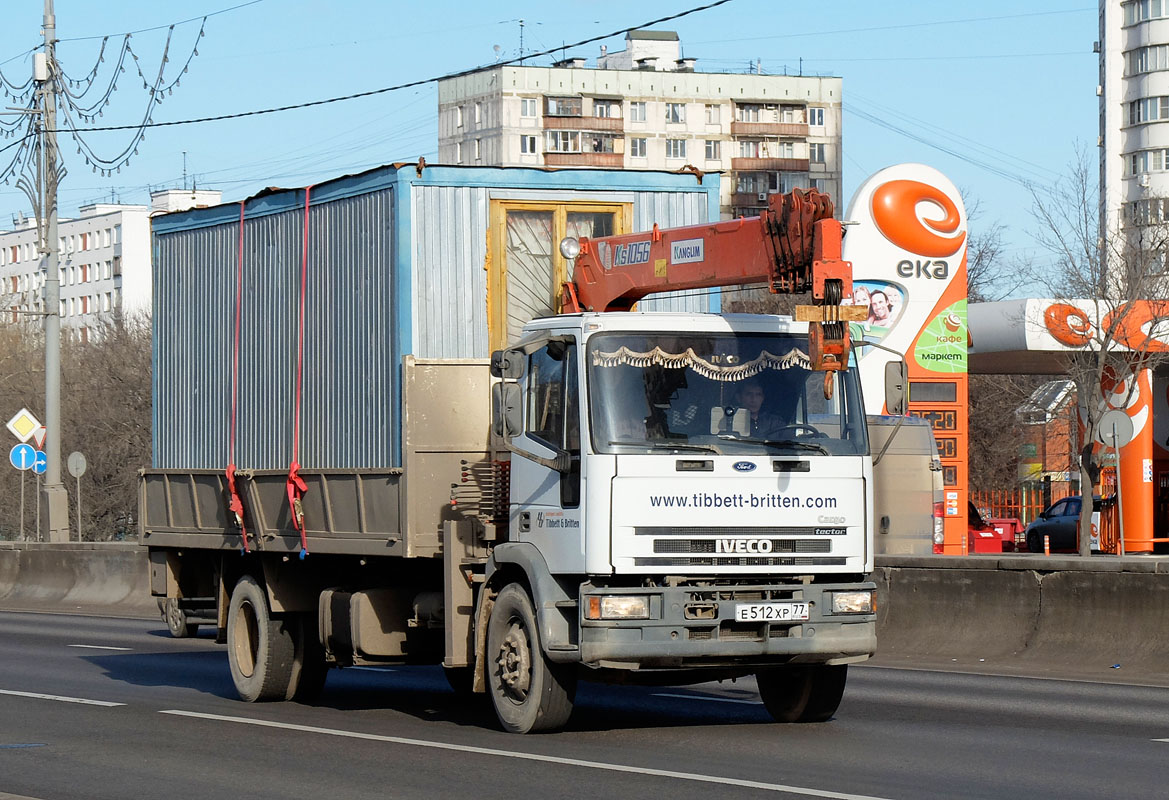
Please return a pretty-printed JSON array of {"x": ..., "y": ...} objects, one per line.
[
  {"x": 648, "y": 108},
  {"x": 1134, "y": 110},
  {"x": 104, "y": 261}
]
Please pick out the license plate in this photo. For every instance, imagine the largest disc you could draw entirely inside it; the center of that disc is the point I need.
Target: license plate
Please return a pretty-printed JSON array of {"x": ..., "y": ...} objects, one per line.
[{"x": 770, "y": 612}]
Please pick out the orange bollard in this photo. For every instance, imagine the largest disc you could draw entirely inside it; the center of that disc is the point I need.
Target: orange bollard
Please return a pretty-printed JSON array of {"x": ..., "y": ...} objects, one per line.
[{"x": 1046, "y": 545}]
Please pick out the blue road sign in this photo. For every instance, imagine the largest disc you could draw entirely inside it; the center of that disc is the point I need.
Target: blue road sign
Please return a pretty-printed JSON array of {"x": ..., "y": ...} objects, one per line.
[
  {"x": 40, "y": 462},
  {"x": 22, "y": 456}
]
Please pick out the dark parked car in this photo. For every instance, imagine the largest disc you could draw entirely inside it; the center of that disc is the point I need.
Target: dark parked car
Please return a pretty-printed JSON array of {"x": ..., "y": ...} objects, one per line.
[{"x": 1059, "y": 522}]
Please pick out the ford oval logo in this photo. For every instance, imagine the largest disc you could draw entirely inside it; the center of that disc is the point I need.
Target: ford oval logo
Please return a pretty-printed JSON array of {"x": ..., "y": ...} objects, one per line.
[{"x": 744, "y": 466}]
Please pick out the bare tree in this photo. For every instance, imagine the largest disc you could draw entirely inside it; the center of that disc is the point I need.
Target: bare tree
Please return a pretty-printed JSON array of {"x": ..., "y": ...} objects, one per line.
[
  {"x": 989, "y": 274},
  {"x": 106, "y": 414},
  {"x": 1114, "y": 281}
]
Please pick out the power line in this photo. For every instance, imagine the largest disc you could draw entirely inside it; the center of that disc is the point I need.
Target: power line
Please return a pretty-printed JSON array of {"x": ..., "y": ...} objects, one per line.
[
  {"x": 162, "y": 27},
  {"x": 412, "y": 84}
]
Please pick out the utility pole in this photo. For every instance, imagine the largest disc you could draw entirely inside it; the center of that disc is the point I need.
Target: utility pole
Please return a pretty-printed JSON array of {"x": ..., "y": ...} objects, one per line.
[{"x": 56, "y": 496}]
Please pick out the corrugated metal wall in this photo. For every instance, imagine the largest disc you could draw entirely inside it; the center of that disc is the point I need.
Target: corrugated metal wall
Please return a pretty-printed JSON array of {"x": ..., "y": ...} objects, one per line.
[
  {"x": 194, "y": 290},
  {"x": 449, "y": 240},
  {"x": 449, "y": 232},
  {"x": 671, "y": 210},
  {"x": 348, "y": 414}
]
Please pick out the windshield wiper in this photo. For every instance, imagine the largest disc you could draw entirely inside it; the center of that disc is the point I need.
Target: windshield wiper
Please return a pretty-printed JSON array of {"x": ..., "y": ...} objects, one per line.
[
  {"x": 816, "y": 448},
  {"x": 702, "y": 448}
]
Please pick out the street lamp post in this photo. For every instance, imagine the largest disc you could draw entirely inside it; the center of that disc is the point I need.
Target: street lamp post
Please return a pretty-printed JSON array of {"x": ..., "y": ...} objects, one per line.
[{"x": 56, "y": 496}]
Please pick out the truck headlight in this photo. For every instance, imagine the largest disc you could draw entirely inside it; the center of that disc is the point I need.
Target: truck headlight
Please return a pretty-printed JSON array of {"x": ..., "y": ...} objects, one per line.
[
  {"x": 864, "y": 602},
  {"x": 617, "y": 606}
]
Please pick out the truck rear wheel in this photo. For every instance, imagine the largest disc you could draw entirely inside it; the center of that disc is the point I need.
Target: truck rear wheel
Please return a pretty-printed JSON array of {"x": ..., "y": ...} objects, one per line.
[
  {"x": 309, "y": 668},
  {"x": 529, "y": 692},
  {"x": 176, "y": 620},
  {"x": 804, "y": 692},
  {"x": 260, "y": 650}
]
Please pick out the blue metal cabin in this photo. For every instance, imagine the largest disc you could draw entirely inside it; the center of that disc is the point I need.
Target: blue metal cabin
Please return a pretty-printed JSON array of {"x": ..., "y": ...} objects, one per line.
[{"x": 433, "y": 261}]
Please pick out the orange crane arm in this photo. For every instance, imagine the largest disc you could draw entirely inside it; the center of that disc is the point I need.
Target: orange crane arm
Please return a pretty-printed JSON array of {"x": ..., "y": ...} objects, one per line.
[{"x": 794, "y": 246}]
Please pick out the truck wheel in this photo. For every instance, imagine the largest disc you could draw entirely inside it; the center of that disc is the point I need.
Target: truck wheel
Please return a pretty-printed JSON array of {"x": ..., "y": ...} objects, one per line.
[
  {"x": 802, "y": 693},
  {"x": 260, "y": 649},
  {"x": 529, "y": 692},
  {"x": 309, "y": 669},
  {"x": 176, "y": 620}
]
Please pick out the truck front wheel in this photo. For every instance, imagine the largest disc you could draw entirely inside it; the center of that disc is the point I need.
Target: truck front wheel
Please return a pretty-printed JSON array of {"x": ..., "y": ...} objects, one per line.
[
  {"x": 803, "y": 692},
  {"x": 529, "y": 692},
  {"x": 260, "y": 650}
]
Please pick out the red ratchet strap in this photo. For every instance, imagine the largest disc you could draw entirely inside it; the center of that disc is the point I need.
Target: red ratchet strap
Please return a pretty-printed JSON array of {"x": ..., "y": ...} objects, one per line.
[
  {"x": 294, "y": 485},
  {"x": 235, "y": 503}
]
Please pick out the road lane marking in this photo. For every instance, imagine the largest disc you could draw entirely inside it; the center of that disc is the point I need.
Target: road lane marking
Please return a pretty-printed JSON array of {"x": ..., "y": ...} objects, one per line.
[
  {"x": 1162, "y": 740},
  {"x": 708, "y": 697},
  {"x": 571, "y": 762},
  {"x": 20, "y": 747},
  {"x": 99, "y": 647},
  {"x": 60, "y": 699}
]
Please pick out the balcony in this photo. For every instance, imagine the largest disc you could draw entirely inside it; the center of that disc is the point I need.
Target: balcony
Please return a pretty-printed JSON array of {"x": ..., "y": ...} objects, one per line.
[
  {"x": 605, "y": 124},
  {"x": 769, "y": 164},
  {"x": 747, "y": 200},
  {"x": 769, "y": 129},
  {"x": 609, "y": 160}
]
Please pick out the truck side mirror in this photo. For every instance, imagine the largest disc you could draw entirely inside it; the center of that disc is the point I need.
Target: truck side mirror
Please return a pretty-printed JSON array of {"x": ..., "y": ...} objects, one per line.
[
  {"x": 895, "y": 387},
  {"x": 507, "y": 419},
  {"x": 507, "y": 364}
]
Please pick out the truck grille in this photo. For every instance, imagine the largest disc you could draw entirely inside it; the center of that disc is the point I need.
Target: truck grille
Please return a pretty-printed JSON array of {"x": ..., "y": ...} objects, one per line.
[
  {"x": 825, "y": 530},
  {"x": 776, "y": 545},
  {"x": 737, "y": 561}
]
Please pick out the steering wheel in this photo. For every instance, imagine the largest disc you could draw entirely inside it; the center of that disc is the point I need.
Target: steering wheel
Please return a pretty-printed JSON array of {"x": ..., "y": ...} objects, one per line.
[{"x": 800, "y": 430}]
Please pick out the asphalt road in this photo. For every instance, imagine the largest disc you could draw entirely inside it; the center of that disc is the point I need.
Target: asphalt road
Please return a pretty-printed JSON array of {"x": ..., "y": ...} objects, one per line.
[{"x": 94, "y": 707}]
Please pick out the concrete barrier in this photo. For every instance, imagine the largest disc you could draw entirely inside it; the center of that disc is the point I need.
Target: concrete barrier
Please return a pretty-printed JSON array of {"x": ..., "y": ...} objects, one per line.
[
  {"x": 97, "y": 578},
  {"x": 1099, "y": 618}
]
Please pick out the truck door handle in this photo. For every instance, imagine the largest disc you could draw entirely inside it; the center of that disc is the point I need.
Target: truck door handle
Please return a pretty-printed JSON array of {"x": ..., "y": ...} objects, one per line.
[{"x": 525, "y": 521}]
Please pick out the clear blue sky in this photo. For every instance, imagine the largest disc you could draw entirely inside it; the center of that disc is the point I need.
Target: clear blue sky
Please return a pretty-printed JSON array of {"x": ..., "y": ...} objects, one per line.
[{"x": 1006, "y": 84}]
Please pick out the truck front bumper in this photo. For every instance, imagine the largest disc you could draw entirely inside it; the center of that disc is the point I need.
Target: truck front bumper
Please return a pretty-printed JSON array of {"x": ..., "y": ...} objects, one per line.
[{"x": 696, "y": 626}]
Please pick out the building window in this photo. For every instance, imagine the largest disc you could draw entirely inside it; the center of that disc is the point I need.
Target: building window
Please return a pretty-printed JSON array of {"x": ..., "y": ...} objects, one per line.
[
  {"x": 527, "y": 144},
  {"x": 792, "y": 180},
  {"x": 529, "y": 107},
  {"x": 712, "y": 150},
  {"x": 458, "y": 152},
  {"x": 816, "y": 117},
  {"x": 675, "y": 113},
  {"x": 1145, "y": 9},
  {"x": 787, "y": 150},
  {"x": 816, "y": 152},
  {"x": 458, "y": 116},
  {"x": 751, "y": 183},
  {"x": 791, "y": 114},
  {"x": 562, "y": 141},
  {"x": 637, "y": 148},
  {"x": 637, "y": 111},
  {"x": 750, "y": 148},
  {"x": 606, "y": 108},
  {"x": 603, "y": 143},
  {"x": 1148, "y": 109},
  {"x": 564, "y": 106},
  {"x": 1148, "y": 161},
  {"x": 478, "y": 113},
  {"x": 713, "y": 114},
  {"x": 478, "y": 149},
  {"x": 819, "y": 184},
  {"x": 747, "y": 112},
  {"x": 1147, "y": 59},
  {"x": 675, "y": 148}
]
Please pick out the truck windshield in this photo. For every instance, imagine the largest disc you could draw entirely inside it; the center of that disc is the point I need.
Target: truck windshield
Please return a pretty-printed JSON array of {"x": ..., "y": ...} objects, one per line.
[{"x": 723, "y": 393}]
